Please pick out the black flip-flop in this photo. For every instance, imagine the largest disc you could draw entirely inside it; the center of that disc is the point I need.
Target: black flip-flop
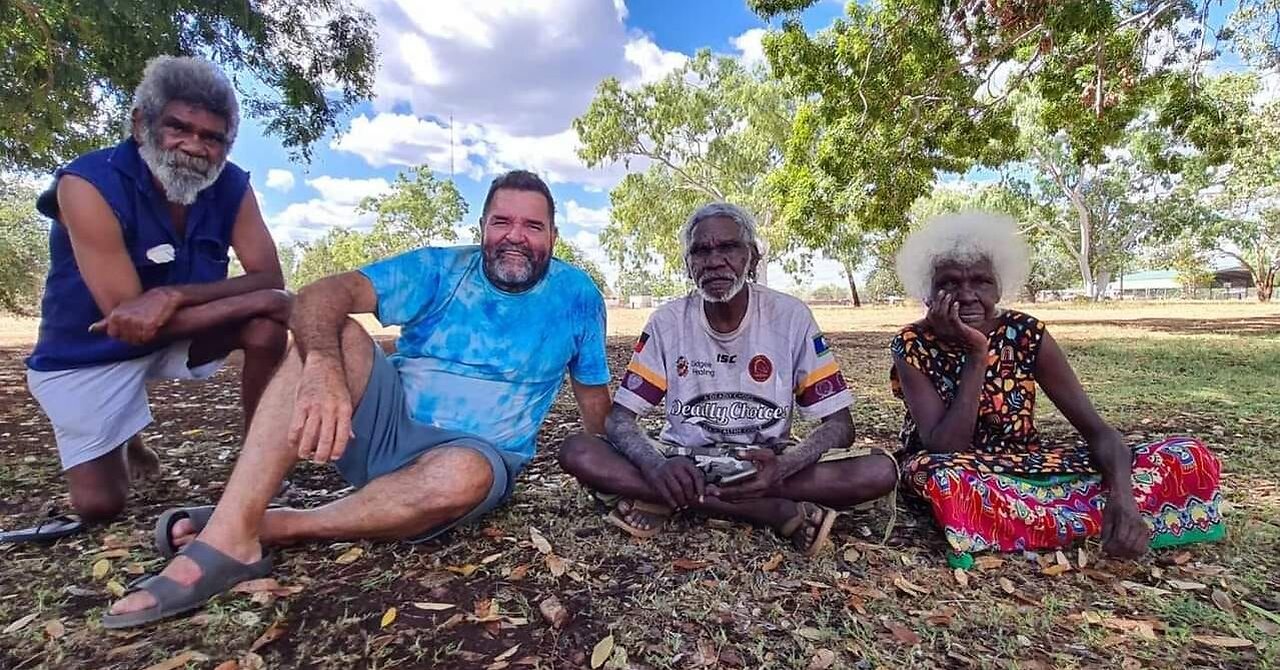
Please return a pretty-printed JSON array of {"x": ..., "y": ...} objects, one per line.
[{"x": 52, "y": 528}]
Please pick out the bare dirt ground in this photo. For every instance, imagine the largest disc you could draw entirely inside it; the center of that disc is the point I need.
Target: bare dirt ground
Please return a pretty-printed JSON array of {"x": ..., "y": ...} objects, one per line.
[{"x": 704, "y": 593}]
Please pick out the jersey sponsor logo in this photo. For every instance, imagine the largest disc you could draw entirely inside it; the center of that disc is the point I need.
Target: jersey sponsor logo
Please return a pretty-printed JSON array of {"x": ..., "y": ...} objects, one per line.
[
  {"x": 729, "y": 359},
  {"x": 729, "y": 412},
  {"x": 682, "y": 366},
  {"x": 760, "y": 368}
]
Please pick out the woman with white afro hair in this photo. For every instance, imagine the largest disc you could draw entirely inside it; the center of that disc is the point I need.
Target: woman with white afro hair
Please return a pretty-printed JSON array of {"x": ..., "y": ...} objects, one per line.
[{"x": 968, "y": 373}]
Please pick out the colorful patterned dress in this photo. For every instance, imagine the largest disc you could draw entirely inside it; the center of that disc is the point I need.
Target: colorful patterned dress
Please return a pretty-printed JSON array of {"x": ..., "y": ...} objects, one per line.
[{"x": 1012, "y": 492}]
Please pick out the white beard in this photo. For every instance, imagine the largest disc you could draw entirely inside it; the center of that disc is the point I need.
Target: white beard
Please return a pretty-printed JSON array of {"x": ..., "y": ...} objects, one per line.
[
  {"x": 179, "y": 175},
  {"x": 738, "y": 285}
]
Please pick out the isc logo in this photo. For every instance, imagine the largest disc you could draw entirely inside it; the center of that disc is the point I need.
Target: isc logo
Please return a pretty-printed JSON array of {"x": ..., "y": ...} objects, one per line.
[{"x": 726, "y": 358}]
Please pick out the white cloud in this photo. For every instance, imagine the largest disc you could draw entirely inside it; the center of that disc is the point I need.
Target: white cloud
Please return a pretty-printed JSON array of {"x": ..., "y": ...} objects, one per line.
[
  {"x": 406, "y": 140},
  {"x": 651, "y": 61},
  {"x": 751, "y": 48},
  {"x": 589, "y": 218},
  {"x": 344, "y": 191},
  {"x": 280, "y": 180}
]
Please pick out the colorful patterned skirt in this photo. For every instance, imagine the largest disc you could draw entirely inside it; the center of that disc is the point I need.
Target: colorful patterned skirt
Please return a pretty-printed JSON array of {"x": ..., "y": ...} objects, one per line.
[{"x": 1175, "y": 483}]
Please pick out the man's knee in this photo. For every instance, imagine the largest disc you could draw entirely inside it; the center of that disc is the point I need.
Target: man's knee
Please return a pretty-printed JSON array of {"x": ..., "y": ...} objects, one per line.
[
  {"x": 101, "y": 503},
  {"x": 578, "y": 453},
  {"x": 881, "y": 474},
  {"x": 264, "y": 336},
  {"x": 459, "y": 479}
]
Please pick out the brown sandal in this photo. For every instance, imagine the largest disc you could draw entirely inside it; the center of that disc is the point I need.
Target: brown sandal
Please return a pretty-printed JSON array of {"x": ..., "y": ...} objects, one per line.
[
  {"x": 659, "y": 513},
  {"x": 805, "y": 514}
]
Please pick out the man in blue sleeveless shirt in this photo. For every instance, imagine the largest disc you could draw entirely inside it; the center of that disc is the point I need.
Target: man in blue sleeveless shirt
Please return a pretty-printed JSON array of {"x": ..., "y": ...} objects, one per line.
[
  {"x": 432, "y": 436},
  {"x": 137, "y": 287}
]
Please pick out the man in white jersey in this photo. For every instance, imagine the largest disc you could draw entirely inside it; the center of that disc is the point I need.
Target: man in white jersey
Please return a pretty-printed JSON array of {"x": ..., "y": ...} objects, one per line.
[{"x": 729, "y": 365}]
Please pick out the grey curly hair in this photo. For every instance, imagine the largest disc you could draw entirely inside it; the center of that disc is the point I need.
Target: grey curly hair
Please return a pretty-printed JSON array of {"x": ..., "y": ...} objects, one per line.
[
  {"x": 965, "y": 237},
  {"x": 745, "y": 221},
  {"x": 192, "y": 80}
]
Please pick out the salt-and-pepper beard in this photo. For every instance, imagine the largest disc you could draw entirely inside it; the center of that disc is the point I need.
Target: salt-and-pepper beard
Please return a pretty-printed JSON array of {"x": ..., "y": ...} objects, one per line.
[
  {"x": 739, "y": 282},
  {"x": 183, "y": 177}
]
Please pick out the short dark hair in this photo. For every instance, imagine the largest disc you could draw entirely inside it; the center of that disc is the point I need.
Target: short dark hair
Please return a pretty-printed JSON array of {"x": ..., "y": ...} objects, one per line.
[{"x": 520, "y": 180}]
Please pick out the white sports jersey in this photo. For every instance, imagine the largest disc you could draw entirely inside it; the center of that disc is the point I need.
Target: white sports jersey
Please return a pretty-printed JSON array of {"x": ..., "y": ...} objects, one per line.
[{"x": 737, "y": 387}]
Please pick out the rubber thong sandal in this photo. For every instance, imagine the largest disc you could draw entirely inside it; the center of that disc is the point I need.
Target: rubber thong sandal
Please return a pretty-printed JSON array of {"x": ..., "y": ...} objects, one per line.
[
  {"x": 199, "y": 516},
  {"x": 809, "y": 515},
  {"x": 658, "y": 513},
  {"x": 218, "y": 573},
  {"x": 53, "y": 527}
]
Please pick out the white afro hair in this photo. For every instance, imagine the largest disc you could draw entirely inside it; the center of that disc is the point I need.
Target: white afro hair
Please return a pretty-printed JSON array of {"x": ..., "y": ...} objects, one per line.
[{"x": 965, "y": 237}]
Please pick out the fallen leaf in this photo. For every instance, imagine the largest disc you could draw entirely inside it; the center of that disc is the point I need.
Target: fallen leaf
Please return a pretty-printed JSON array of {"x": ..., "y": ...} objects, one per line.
[
  {"x": 251, "y": 661},
  {"x": 179, "y": 661},
  {"x": 909, "y": 588},
  {"x": 1182, "y": 558},
  {"x": 1061, "y": 559},
  {"x": 1223, "y": 642},
  {"x": 490, "y": 558},
  {"x": 962, "y": 577},
  {"x": 772, "y": 564},
  {"x": 388, "y": 617},
  {"x": 1223, "y": 601},
  {"x": 1182, "y": 585},
  {"x": 518, "y": 573},
  {"x": 349, "y": 556},
  {"x": 539, "y": 542},
  {"x": 135, "y": 568},
  {"x": 433, "y": 607},
  {"x": 1082, "y": 558},
  {"x": 554, "y": 612},
  {"x": 822, "y": 660},
  {"x": 54, "y": 628},
  {"x": 1130, "y": 663},
  {"x": 688, "y": 564},
  {"x": 19, "y": 624},
  {"x": 851, "y": 555},
  {"x": 464, "y": 570},
  {"x": 247, "y": 619},
  {"x": 232, "y": 664},
  {"x": 507, "y": 654},
  {"x": 115, "y": 588},
  {"x": 601, "y": 652},
  {"x": 127, "y": 649},
  {"x": 266, "y": 584},
  {"x": 101, "y": 568},
  {"x": 556, "y": 565},
  {"x": 902, "y": 634},
  {"x": 988, "y": 562},
  {"x": 1055, "y": 570},
  {"x": 112, "y": 553},
  {"x": 1007, "y": 586},
  {"x": 273, "y": 632}
]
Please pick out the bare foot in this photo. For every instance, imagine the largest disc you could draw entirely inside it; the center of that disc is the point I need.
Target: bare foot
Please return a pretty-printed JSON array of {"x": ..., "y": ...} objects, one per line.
[
  {"x": 639, "y": 518},
  {"x": 182, "y": 533},
  {"x": 144, "y": 464},
  {"x": 183, "y": 571}
]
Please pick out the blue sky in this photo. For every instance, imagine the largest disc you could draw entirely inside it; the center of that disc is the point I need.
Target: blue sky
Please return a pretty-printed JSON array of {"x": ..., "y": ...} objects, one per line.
[{"x": 512, "y": 75}]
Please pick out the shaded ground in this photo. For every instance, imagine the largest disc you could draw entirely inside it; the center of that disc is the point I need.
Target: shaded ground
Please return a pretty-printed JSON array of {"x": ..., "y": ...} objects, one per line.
[{"x": 703, "y": 594}]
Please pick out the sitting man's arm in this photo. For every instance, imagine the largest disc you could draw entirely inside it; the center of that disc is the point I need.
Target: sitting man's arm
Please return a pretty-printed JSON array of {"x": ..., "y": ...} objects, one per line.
[
  {"x": 139, "y": 317},
  {"x": 677, "y": 480},
  {"x": 835, "y": 432},
  {"x": 321, "y": 421},
  {"x": 593, "y": 405}
]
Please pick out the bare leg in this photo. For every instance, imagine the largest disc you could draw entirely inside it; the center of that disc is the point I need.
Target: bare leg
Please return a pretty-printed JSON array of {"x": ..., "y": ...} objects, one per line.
[
  {"x": 99, "y": 487},
  {"x": 262, "y": 465},
  {"x": 838, "y": 484}
]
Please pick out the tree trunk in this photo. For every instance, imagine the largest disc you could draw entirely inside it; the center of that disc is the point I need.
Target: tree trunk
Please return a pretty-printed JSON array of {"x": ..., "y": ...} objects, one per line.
[
  {"x": 853, "y": 284},
  {"x": 1266, "y": 286}
]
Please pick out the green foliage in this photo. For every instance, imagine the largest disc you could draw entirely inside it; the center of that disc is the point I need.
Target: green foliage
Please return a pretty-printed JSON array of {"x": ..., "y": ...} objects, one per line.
[
  {"x": 417, "y": 211},
  {"x": 829, "y": 292},
  {"x": 571, "y": 254},
  {"x": 645, "y": 281},
  {"x": 710, "y": 130},
  {"x": 69, "y": 66},
  {"x": 24, "y": 247}
]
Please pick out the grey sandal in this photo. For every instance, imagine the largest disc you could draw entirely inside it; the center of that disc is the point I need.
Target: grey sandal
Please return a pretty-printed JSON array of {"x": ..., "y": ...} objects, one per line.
[
  {"x": 219, "y": 572},
  {"x": 199, "y": 517}
]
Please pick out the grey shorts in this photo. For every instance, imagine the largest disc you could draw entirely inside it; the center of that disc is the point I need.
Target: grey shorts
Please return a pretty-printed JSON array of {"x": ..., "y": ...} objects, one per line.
[
  {"x": 387, "y": 438},
  {"x": 98, "y": 408}
]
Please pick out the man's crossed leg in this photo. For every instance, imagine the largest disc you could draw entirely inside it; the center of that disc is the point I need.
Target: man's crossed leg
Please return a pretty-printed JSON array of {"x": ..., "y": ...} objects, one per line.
[{"x": 836, "y": 484}]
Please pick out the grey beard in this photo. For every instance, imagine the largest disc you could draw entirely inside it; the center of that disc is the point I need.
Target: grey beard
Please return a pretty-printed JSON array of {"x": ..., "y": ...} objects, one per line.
[
  {"x": 738, "y": 284},
  {"x": 181, "y": 183}
]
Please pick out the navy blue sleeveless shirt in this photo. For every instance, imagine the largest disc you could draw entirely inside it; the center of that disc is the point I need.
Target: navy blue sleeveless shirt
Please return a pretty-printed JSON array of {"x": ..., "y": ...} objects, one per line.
[{"x": 159, "y": 256}]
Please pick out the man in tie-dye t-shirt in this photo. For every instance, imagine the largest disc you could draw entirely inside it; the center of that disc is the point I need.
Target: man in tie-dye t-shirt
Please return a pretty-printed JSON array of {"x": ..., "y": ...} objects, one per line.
[{"x": 431, "y": 436}]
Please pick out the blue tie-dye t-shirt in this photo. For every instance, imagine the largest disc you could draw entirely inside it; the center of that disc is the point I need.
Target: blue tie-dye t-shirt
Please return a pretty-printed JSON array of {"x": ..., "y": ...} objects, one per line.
[{"x": 476, "y": 359}]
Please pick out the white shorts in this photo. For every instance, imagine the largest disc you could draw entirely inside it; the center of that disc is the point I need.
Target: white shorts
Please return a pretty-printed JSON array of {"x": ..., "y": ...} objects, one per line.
[{"x": 96, "y": 409}]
